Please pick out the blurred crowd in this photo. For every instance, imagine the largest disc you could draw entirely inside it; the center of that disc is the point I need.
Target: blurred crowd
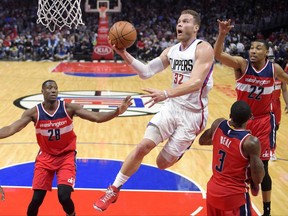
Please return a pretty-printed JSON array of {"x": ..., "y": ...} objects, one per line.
[{"x": 155, "y": 20}]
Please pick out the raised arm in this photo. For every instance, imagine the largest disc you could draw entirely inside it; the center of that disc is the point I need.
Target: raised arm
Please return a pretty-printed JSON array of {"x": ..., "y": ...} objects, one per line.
[
  {"x": 148, "y": 70},
  {"x": 100, "y": 116},
  {"x": 251, "y": 147},
  {"x": 206, "y": 137},
  {"x": 18, "y": 125},
  {"x": 235, "y": 62}
]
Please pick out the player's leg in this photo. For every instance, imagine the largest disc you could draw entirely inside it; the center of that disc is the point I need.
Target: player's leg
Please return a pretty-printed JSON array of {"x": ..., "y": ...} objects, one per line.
[
  {"x": 37, "y": 199},
  {"x": 277, "y": 116},
  {"x": 172, "y": 152},
  {"x": 66, "y": 175},
  {"x": 185, "y": 132},
  {"x": 64, "y": 197},
  {"x": 130, "y": 166},
  {"x": 266, "y": 187},
  {"x": 273, "y": 148},
  {"x": 266, "y": 137},
  {"x": 133, "y": 161},
  {"x": 42, "y": 181}
]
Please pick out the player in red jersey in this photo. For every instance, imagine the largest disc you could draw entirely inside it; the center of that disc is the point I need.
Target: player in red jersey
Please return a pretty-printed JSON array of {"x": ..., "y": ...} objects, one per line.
[
  {"x": 276, "y": 108},
  {"x": 57, "y": 141},
  {"x": 255, "y": 79},
  {"x": 235, "y": 157}
]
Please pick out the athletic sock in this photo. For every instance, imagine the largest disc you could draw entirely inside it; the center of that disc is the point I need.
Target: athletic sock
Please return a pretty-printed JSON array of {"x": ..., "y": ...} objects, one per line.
[
  {"x": 266, "y": 208},
  {"x": 120, "y": 180}
]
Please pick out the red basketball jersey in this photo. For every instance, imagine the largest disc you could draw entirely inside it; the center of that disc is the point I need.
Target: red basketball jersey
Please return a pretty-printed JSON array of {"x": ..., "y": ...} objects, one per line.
[
  {"x": 230, "y": 168},
  {"x": 54, "y": 132},
  {"x": 256, "y": 88},
  {"x": 277, "y": 90}
]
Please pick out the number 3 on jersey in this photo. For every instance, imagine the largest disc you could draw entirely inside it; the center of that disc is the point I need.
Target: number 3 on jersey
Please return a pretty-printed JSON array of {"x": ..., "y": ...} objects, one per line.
[{"x": 220, "y": 165}]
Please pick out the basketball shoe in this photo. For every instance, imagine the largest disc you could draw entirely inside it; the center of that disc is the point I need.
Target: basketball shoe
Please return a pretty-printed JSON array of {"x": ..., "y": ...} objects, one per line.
[
  {"x": 109, "y": 197},
  {"x": 273, "y": 156}
]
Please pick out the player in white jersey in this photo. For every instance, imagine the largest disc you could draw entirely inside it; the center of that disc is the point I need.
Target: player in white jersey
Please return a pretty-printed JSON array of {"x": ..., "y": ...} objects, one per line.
[{"x": 184, "y": 113}]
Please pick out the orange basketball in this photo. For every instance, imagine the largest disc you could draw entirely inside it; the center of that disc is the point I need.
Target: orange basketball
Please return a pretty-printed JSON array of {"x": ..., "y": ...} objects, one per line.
[{"x": 123, "y": 34}]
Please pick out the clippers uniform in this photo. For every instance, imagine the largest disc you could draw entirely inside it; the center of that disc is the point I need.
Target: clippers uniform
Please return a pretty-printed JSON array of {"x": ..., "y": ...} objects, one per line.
[
  {"x": 227, "y": 189},
  {"x": 174, "y": 119},
  {"x": 256, "y": 88},
  {"x": 57, "y": 142}
]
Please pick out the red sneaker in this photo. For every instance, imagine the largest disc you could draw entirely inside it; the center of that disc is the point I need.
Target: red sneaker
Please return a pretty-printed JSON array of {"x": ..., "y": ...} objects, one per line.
[{"x": 109, "y": 197}]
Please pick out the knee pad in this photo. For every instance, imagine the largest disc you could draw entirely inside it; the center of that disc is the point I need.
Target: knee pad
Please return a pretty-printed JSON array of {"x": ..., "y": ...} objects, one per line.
[
  {"x": 153, "y": 133},
  {"x": 266, "y": 184}
]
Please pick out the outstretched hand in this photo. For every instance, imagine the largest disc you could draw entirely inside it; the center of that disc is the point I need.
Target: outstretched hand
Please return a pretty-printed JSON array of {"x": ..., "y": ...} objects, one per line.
[
  {"x": 2, "y": 194},
  {"x": 125, "y": 104},
  {"x": 155, "y": 94},
  {"x": 224, "y": 26}
]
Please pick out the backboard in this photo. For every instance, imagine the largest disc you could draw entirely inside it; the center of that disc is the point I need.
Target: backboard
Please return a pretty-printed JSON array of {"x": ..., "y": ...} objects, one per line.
[{"x": 94, "y": 6}]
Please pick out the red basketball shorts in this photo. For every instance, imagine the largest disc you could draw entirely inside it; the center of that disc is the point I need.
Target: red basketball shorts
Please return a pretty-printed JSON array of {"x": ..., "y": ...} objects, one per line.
[
  {"x": 263, "y": 127},
  {"x": 46, "y": 166}
]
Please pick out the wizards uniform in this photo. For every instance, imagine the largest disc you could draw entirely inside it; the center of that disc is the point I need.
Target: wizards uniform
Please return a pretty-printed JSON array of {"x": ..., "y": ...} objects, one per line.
[
  {"x": 256, "y": 88},
  {"x": 57, "y": 142},
  {"x": 227, "y": 190}
]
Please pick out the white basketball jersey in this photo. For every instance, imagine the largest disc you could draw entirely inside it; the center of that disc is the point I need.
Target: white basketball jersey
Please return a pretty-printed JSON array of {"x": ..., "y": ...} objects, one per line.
[{"x": 182, "y": 62}]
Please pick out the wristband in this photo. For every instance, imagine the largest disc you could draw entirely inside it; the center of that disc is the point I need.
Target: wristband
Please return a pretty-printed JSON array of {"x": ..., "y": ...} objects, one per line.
[{"x": 165, "y": 93}]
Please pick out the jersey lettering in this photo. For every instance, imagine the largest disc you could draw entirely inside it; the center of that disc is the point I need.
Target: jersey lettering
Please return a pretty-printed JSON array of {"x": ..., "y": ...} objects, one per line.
[{"x": 181, "y": 65}]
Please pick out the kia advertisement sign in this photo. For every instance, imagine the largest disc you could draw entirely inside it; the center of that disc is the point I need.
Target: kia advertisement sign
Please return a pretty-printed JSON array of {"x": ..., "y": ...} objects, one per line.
[{"x": 103, "y": 50}]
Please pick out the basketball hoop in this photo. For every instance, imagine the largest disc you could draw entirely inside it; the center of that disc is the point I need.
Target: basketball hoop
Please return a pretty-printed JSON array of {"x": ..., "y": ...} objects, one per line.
[
  {"x": 59, "y": 13},
  {"x": 102, "y": 11}
]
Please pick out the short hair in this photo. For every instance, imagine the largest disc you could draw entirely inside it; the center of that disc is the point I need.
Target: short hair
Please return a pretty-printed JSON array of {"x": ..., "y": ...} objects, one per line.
[
  {"x": 262, "y": 41},
  {"x": 45, "y": 82},
  {"x": 194, "y": 14},
  {"x": 240, "y": 112}
]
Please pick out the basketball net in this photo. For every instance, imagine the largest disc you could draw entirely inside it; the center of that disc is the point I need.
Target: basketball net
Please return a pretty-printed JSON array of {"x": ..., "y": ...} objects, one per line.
[
  {"x": 59, "y": 13},
  {"x": 102, "y": 12}
]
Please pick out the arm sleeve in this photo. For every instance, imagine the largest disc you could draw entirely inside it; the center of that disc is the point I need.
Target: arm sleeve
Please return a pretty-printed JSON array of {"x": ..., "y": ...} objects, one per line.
[{"x": 146, "y": 71}]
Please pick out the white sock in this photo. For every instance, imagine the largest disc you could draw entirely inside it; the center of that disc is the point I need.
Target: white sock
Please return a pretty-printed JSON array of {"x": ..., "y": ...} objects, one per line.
[{"x": 120, "y": 179}]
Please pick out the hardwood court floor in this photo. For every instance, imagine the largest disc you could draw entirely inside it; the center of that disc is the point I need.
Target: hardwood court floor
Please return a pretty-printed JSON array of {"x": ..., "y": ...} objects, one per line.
[{"x": 20, "y": 79}]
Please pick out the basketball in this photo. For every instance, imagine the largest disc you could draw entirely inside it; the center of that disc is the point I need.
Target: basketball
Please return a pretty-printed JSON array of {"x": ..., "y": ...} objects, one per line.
[{"x": 123, "y": 34}]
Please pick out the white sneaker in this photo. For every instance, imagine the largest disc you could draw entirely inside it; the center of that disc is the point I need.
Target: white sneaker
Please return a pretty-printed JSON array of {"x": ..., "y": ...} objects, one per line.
[{"x": 273, "y": 156}]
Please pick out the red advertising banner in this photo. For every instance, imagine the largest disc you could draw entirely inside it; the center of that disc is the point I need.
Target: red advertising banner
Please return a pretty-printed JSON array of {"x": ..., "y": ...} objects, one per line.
[{"x": 102, "y": 50}]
